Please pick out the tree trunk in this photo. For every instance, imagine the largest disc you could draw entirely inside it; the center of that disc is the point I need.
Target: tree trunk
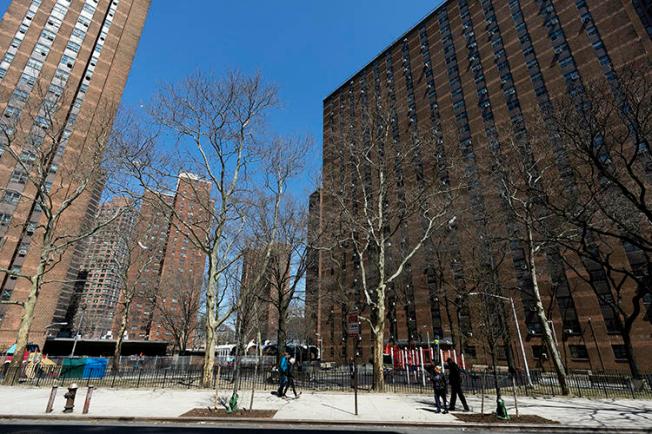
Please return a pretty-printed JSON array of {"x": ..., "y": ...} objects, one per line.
[
  {"x": 451, "y": 325},
  {"x": 379, "y": 341},
  {"x": 495, "y": 371},
  {"x": 281, "y": 337},
  {"x": 629, "y": 350},
  {"x": 211, "y": 323},
  {"x": 379, "y": 377},
  {"x": 25, "y": 323},
  {"x": 118, "y": 343},
  {"x": 543, "y": 319}
]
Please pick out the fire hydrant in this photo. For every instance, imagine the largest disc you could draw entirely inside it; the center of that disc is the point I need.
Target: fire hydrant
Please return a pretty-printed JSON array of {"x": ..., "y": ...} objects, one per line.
[{"x": 70, "y": 398}]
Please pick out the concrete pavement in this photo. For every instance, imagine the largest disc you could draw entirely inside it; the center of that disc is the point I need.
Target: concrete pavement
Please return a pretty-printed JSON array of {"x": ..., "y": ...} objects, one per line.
[{"x": 324, "y": 407}]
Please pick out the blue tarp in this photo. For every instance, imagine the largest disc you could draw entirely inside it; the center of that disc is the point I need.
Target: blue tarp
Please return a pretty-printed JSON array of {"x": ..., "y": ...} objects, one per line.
[
  {"x": 87, "y": 367},
  {"x": 95, "y": 368}
]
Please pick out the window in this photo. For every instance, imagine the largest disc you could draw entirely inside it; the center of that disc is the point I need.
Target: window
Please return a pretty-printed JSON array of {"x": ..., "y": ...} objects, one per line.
[
  {"x": 72, "y": 46},
  {"x": 538, "y": 351},
  {"x": 78, "y": 33},
  {"x": 48, "y": 35},
  {"x": 27, "y": 157},
  {"x": 35, "y": 64},
  {"x": 27, "y": 79},
  {"x": 67, "y": 60},
  {"x": 578, "y": 352},
  {"x": 620, "y": 354},
  {"x": 20, "y": 95},
  {"x": 11, "y": 197},
  {"x": 12, "y": 111},
  {"x": 19, "y": 176},
  {"x": 4, "y": 219}
]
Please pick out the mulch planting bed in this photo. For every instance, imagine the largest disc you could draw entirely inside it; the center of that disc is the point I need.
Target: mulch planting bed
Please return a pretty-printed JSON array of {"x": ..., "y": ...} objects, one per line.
[
  {"x": 220, "y": 412},
  {"x": 491, "y": 418}
]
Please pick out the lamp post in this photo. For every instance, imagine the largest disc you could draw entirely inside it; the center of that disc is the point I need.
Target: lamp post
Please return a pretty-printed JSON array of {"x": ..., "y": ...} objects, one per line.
[
  {"x": 518, "y": 330},
  {"x": 54, "y": 324},
  {"x": 78, "y": 332}
]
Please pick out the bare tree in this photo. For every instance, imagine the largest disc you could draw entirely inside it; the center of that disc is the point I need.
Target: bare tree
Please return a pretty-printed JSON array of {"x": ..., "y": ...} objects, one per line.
[
  {"x": 287, "y": 266},
  {"x": 371, "y": 170},
  {"x": 57, "y": 182},
  {"x": 177, "y": 311},
  {"x": 607, "y": 129},
  {"x": 218, "y": 125},
  {"x": 525, "y": 180},
  {"x": 138, "y": 261}
]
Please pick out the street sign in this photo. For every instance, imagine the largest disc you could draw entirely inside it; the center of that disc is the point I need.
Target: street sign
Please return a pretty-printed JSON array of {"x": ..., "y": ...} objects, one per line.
[{"x": 353, "y": 325}]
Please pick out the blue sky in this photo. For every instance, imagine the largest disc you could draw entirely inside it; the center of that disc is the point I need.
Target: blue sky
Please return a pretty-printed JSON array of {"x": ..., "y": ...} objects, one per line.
[{"x": 305, "y": 47}]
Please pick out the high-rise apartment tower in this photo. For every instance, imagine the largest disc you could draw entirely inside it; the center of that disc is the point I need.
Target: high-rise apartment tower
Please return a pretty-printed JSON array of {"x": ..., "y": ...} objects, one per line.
[{"x": 63, "y": 63}]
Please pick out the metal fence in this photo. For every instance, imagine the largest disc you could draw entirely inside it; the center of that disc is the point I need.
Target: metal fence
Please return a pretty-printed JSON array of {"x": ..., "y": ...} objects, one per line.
[{"x": 166, "y": 374}]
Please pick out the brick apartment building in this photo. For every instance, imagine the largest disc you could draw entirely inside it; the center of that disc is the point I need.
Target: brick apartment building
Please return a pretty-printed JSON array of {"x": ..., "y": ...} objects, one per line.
[
  {"x": 263, "y": 313},
  {"x": 464, "y": 70},
  {"x": 166, "y": 267},
  {"x": 78, "y": 52},
  {"x": 101, "y": 272}
]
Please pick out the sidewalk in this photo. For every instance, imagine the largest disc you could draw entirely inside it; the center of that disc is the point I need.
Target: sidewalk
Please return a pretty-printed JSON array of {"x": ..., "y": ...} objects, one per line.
[{"x": 325, "y": 407}]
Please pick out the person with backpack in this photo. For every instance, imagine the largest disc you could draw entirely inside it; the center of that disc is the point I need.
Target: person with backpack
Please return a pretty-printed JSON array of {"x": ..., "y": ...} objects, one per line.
[
  {"x": 283, "y": 368},
  {"x": 290, "y": 378},
  {"x": 455, "y": 380},
  {"x": 440, "y": 387}
]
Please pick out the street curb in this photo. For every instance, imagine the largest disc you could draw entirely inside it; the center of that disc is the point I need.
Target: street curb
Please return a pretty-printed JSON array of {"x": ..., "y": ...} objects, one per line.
[{"x": 549, "y": 428}]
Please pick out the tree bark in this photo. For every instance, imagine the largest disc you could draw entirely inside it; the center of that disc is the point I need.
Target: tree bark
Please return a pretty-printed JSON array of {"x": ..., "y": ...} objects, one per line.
[
  {"x": 209, "y": 354},
  {"x": 451, "y": 324},
  {"x": 543, "y": 319},
  {"x": 22, "y": 337},
  {"x": 121, "y": 332},
  {"x": 379, "y": 343},
  {"x": 281, "y": 335}
]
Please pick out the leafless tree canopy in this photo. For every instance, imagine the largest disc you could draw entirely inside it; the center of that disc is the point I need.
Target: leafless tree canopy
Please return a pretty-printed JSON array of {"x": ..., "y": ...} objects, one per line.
[
  {"x": 214, "y": 128},
  {"x": 378, "y": 187}
]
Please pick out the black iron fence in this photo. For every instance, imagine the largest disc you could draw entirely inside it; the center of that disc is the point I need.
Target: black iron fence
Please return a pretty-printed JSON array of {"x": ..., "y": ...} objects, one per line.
[{"x": 312, "y": 377}]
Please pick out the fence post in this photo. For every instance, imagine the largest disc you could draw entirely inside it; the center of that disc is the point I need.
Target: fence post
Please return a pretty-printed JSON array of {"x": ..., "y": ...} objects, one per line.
[
  {"x": 630, "y": 382},
  {"x": 140, "y": 371},
  {"x": 165, "y": 376},
  {"x": 53, "y": 394}
]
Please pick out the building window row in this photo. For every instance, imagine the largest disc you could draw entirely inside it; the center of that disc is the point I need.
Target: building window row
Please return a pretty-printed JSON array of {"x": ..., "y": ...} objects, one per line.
[
  {"x": 18, "y": 37},
  {"x": 63, "y": 73}
]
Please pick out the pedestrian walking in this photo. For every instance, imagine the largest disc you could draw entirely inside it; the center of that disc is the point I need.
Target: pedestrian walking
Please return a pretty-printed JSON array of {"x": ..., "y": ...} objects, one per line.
[
  {"x": 290, "y": 378},
  {"x": 282, "y": 372},
  {"x": 439, "y": 386},
  {"x": 455, "y": 380}
]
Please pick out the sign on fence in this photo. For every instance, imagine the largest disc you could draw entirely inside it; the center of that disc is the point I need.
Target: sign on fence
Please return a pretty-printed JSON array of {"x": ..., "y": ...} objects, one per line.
[{"x": 353, "y": 325}]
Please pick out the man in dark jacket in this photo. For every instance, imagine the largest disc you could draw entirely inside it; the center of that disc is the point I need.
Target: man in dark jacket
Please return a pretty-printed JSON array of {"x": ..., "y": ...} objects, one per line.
[
  {"x": 440, "y": 386},
  {"x": 455, "y": 380}
]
